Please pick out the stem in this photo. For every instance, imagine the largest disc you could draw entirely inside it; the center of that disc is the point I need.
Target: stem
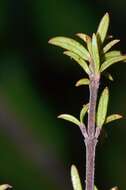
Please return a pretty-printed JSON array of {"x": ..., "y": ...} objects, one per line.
[
  {"x": 90, "y": 162},
  {"x": 91, "y": 140},
  {"x": 93, "y": 87}
]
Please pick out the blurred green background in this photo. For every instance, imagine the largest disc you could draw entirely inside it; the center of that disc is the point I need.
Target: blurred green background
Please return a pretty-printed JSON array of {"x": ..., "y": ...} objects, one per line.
[{"x": 37, "y": 84}]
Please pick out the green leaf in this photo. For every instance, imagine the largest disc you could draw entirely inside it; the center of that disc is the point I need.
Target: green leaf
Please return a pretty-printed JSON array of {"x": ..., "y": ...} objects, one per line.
[
  {"x": 102, "y": 107},
  {"x": 83, "y": 36},
  {"x": 111, "y": 61},
  {"x": 71, "y": 45},
  {"x": 89, "y": 45},
  {"x": 110, "y": 45},
  {"x": 5, "y": 187},
  {"x": 112, "y": 54},
  {"x": 83, "y": 112},
  {"x": 79, "y": 60},
  {"x": 69, "y": 118},
  {"x": 103, "y": 27},
  {"x": 83, "y": 81},
  {"x": 95, "y": 188},
  {"x": 75, "y": 178},
  {"x": 87, "y": 39},
  {"x": 108, "y": 76},
  {"x": 95, "y": 53},
  {"x": 113, "y": 117}
]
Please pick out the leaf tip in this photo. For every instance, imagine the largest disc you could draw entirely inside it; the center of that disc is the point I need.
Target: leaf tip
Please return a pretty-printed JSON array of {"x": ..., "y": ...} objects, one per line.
[
  {"x": 60, "y": 116},
  {"x": 78, "y": 34},
  {"x": 93, "y": 35},
  {"x": 76, "y": 84},
  {"x": 106, "y": 91},
  {"x": 73, "y": 167},
  {"x": 50, "y": 41},
  {"x": 82, "y": 36},
  {"x": 66, "y": 52},
  {"x": 83, "y": 81},
  {"x": 120, "y": 116},
  {"x": 53, "y": 40},
  {"x": 114, "y": 188},
  {"x": 107, "y": 15}
]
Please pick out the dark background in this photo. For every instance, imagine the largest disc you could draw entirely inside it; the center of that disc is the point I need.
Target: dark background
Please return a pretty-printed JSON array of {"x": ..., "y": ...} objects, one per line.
[{"x": 37, "y": 84}]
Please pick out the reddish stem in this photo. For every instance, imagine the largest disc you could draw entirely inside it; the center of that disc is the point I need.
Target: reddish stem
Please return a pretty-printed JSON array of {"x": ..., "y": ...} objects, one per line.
[{"x": 91, "y": 140}]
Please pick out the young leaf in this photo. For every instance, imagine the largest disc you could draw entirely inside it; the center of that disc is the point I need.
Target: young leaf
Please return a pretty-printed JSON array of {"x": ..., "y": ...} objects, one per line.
[
  {"x": 108, "y": 76},
  {"x": 103, "y": 27},
  {"x": 79, "y": 60},
  {"x": 86, "y": 39},
  {"x": 69, "y": 118},
  {"x": 102, "y": 107},
  {"x": 113, "y": 117},
  {"x": 83, "y": 112},
  {"x": 71, "y": 45},
  {"x": 75, "y": 178},
  {"x": 95, "y": 53},
  {"x": 110, "y": 45},
  {"x": 83, "y": 81},
  {"x": 111, "y": 61},
  {"x": 112, "y": 54}
]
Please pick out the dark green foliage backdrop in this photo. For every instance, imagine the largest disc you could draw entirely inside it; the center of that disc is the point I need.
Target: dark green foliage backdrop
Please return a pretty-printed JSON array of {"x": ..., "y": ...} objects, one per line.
[{"x": 37, "y": 84}]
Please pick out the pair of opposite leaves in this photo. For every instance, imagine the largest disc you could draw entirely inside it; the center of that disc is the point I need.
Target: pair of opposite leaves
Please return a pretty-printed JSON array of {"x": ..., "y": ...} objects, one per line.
[{"x": 99, "y": 57}]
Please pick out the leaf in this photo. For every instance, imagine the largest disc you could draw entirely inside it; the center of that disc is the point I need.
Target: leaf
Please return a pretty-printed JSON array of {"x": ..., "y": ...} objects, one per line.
[
  {"x": 110, "y": 45},
  {"x": 111, "y": 61},
  {"x": 69, "y": 118},
  {"x": 89, "y": 45},
  {"x": 108, "y": 76},
  {"x": 112, "y": 54},
  {"x": 79, "y": 60},
  {"x": 83, "y": 81},
  {"x": 83, "y": 112},
  {"x": 102, "y": 107},
  {"x": 103, "y": 27},
  {"x": 113, "y": 117},
  {"x": 71, "y": 45},
  {"x": 95, "y": 188},
  {"x": 110, "y": 36},
  {"x": 86, "y": 38},
  {"x": 75, "y": 178},
  {"x": 115, "y": 188},
  {"x": 83, "y": 36},
  {"x": 95, "y": 53},
  {"x": 5, "y": 187}
]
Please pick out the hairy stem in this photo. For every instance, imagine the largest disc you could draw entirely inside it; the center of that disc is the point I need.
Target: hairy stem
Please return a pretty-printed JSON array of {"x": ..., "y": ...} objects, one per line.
[
  {"x": 93, "y": 87},
  {"x": 91, "y": 140},
  {"x": 90, "y": 162}
]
